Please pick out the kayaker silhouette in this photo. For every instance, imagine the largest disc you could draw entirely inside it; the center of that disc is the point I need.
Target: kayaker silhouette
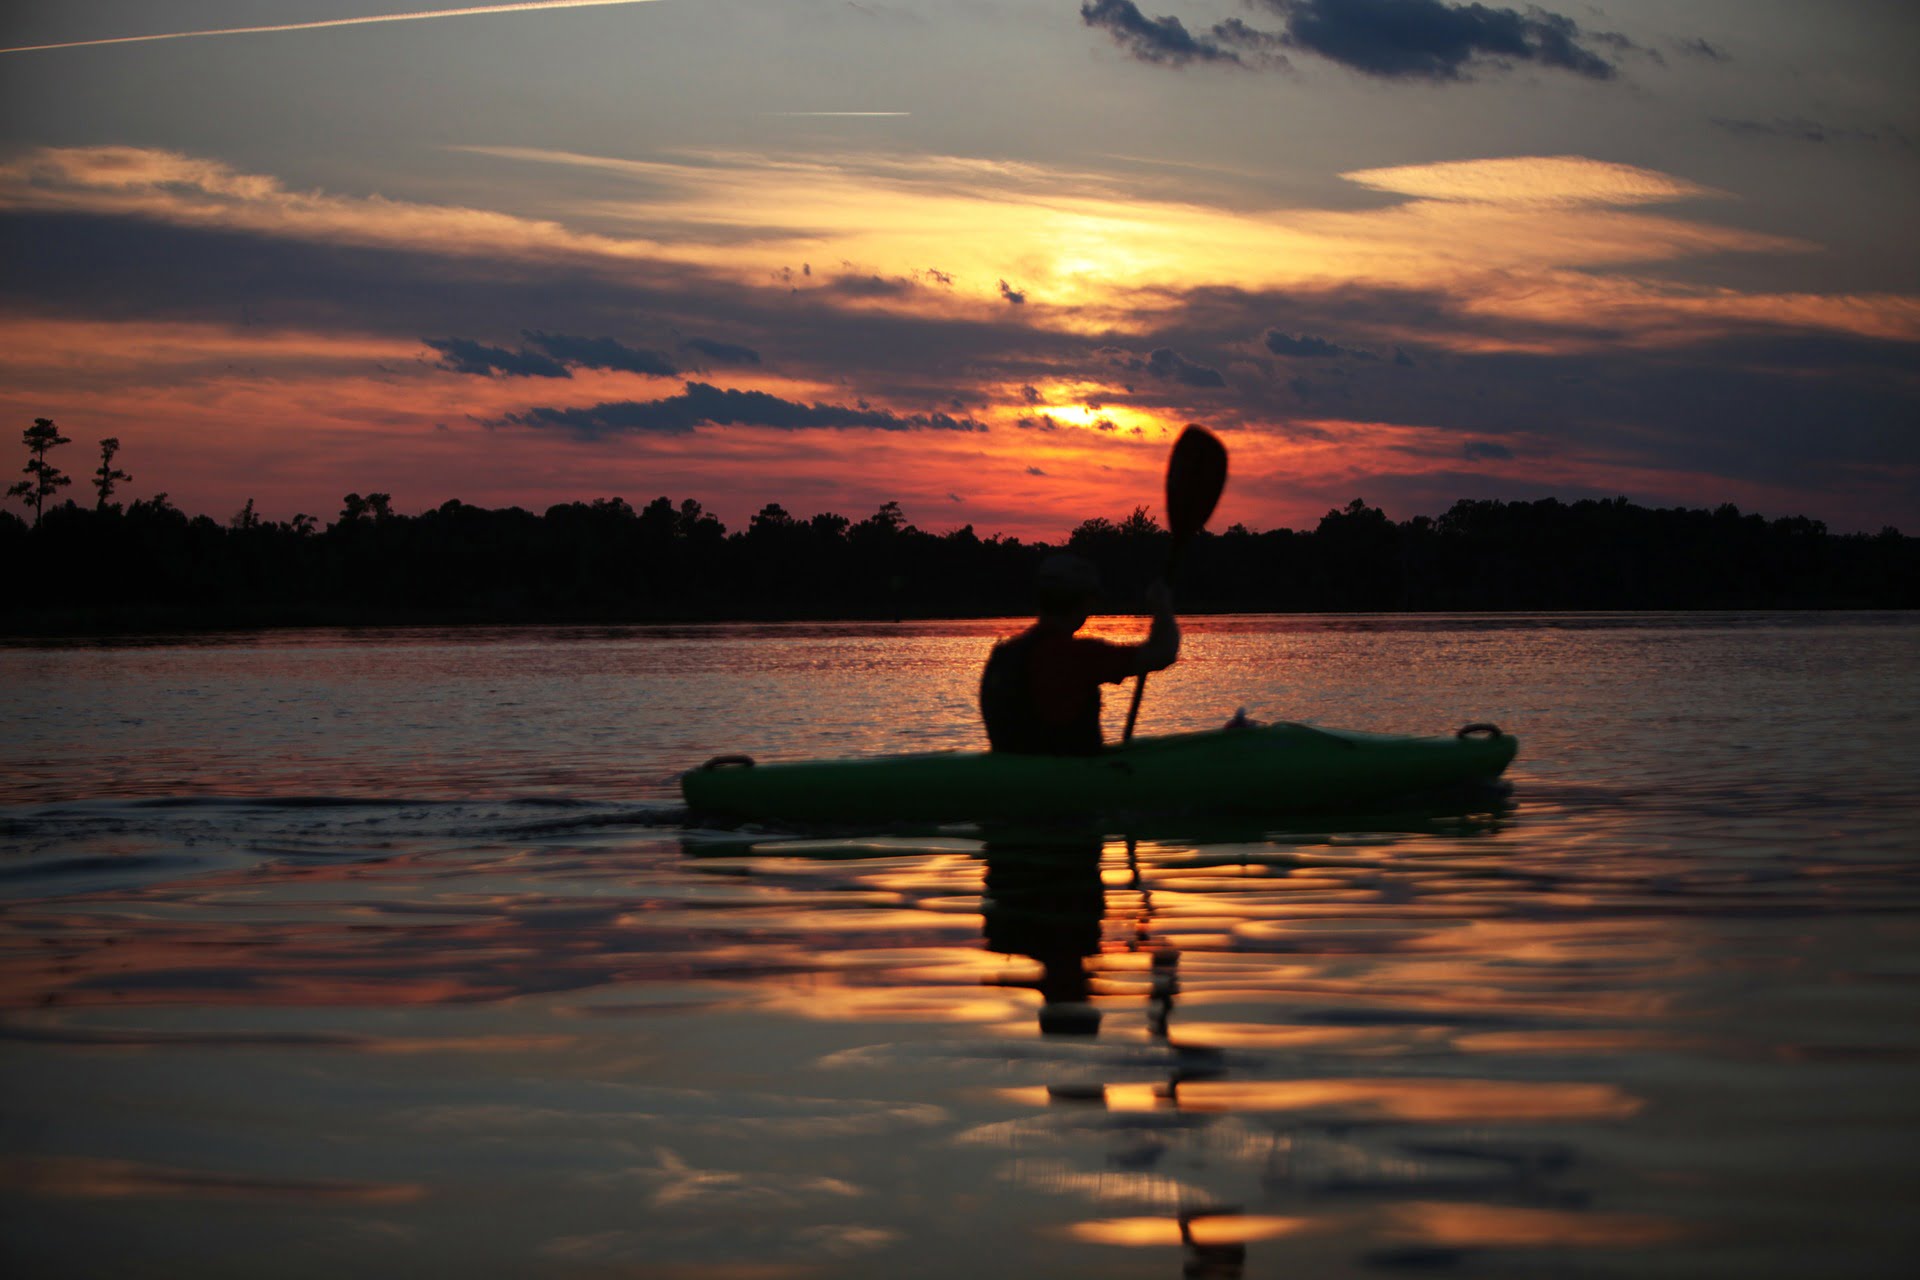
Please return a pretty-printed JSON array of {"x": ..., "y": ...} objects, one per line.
[{"x": 1040, "y": 691}]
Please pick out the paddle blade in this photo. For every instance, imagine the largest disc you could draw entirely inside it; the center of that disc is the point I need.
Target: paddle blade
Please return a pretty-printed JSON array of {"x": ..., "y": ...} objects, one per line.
[{"x": 1196, "y": 473}]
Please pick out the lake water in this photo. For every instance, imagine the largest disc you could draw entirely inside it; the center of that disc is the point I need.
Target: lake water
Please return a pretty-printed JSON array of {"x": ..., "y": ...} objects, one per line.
[{"x": 390, "y": 952}]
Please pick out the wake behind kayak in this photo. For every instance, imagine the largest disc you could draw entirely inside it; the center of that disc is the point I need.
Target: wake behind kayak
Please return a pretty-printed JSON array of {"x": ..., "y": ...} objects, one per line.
[{"x": 1267, "y": 769}]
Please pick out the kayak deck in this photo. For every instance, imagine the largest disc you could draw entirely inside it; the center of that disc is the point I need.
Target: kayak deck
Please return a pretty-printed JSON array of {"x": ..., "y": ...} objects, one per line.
[{"x": 1277, "y": 768}]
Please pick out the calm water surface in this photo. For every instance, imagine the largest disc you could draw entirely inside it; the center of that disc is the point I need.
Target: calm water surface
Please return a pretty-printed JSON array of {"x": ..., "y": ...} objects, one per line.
[{"x": 392, "y": 953}]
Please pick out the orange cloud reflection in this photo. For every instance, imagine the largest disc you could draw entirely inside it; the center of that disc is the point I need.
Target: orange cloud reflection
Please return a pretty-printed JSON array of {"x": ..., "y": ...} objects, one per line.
[
  {"x": 1471, "y": 1225},
  {"x": 1430, "y": 1101}
]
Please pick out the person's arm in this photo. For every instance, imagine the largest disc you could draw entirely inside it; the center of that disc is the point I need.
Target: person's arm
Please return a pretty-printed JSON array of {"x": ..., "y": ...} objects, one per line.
[{"x": 1162, "y": 645}]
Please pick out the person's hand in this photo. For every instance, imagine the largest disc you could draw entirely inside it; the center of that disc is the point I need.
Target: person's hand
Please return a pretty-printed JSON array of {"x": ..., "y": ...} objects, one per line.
[{"x": 1160, "y": 597}]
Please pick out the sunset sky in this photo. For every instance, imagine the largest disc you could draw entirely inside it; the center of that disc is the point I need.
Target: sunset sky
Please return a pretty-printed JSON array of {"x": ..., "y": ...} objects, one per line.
[{"x": 983, "y": 257}]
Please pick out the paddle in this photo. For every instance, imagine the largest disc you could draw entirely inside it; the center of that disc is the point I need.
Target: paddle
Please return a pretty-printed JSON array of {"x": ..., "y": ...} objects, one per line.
[{"x": 1196, "y": 473}]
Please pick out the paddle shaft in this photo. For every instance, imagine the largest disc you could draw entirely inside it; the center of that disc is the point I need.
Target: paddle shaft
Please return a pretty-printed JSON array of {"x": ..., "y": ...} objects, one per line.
[{"x": 1140, "y": 681}]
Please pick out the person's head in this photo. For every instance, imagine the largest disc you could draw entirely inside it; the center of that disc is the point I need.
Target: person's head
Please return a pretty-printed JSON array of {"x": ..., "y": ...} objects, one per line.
[{"x": 1068, "y": 588}]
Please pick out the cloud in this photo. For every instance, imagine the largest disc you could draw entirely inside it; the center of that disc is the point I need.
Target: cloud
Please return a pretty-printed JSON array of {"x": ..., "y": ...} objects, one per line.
[
  {"x": 1801, "y": 129},
  {"x": 721, "y": 352},
  {"x": 1014, "y": 296},
  {"x": 417, "y": 16},
  {"x": 1532, "y": 182},
  {"x": 1168, "y": 364},
  {"x": 463, "y": 355},
  {"x": 602, "y": 353},
  {"x": 1165, "y": 41},
  {"x": 1488, "y": 228},
  {"x": 1265, "y": 46},
  {"x": 1308, "y": 347},
  {"x": 1484, "y": 451},
  {"x": 1164, "y": 363},
  {"x": 702, "y": 404},
  {"x": 1430, "y": 40},
  {"x": 554, "y": 355},
  {"x": 868, "y": 286},
  {"x": 1700, "y": 48},
  {"x": 1035, "y": 471}
]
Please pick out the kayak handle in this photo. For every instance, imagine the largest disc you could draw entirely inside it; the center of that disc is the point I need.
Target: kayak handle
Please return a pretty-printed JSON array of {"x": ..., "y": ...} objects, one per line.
[
  {"x": 1480, "y": 726},
  {"x": 721, "y": 762}
]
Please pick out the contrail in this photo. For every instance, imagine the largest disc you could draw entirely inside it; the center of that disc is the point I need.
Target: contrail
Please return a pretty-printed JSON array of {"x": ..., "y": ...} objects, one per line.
[{"x": 333, "y": 22}]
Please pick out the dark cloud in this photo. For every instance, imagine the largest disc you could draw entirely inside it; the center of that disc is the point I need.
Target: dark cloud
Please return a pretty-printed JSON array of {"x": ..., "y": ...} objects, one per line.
[
  {"x": 869, "y": 287},
  {"x": 1165, "y": 41},
  {"x": 704, "y": 405},
  {"x": 1699, "y": 48},
  {"x": 1266, "y": 45},
  {"x": 1485, "y": 450},
  {"x": 548, "y": 355},
  {"x": 1164, "y": 363},
  {"x": 721, "y": 352},
  {"x": 942, "y": 278},
  {"x": 1170, "y": 365},
  {"x": 1801, "y": 129},
  {"x": 464, "y": 355},
  {"x": 1031, "y": 394},
  {"x": 1012, "y": 295},
  {"x": 1431, "y": 40},
  {"x": 601, "y": 353},
  {"x": 1308, "y": 347}
]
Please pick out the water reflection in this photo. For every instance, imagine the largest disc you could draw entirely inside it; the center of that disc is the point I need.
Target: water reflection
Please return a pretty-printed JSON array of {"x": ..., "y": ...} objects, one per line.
[
  {"x": 1047, "y": 902},
  {"x": 1656, "y": 1017}
]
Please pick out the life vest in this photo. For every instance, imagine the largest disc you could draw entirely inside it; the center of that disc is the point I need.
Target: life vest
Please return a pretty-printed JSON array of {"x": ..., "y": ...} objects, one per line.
[{"x": 1012, "y": 718}]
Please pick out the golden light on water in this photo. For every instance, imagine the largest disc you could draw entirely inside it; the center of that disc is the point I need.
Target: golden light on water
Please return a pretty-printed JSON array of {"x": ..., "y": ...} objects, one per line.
[
  {"x": 1439, "y": 1100},
  {"x": 1472, "y": 1225},
  {"x": 1203, "y": 1230}
]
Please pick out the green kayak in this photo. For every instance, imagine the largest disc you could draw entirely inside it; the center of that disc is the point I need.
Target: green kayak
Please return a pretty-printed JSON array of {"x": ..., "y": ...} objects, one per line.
[{"x": 1263, "y": 769}]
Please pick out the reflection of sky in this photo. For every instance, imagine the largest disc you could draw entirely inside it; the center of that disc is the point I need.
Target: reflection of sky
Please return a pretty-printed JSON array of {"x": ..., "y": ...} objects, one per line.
[{"x": 1689, "y": 280}]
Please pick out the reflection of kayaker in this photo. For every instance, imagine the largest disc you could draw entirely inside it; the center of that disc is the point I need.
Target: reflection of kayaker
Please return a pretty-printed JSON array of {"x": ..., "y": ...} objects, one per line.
[
  {"x": 1046, "y": 902},
  {"x": 1040, "y": 692}
]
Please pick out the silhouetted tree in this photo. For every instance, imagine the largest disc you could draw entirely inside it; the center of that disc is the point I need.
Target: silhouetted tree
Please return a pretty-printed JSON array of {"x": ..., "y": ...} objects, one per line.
[
  {"x": 43, "y": 478},
  {"x": 107, "y": 476},
  {"x": 85, "y": 569}
]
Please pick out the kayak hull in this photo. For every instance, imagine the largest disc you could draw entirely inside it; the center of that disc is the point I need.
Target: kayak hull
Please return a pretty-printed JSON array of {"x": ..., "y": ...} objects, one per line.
[{"x": 1267, "y": 769}]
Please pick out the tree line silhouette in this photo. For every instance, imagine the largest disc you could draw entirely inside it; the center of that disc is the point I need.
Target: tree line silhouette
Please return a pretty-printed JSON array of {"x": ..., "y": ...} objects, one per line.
[{"x": 147, "y": 564}]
